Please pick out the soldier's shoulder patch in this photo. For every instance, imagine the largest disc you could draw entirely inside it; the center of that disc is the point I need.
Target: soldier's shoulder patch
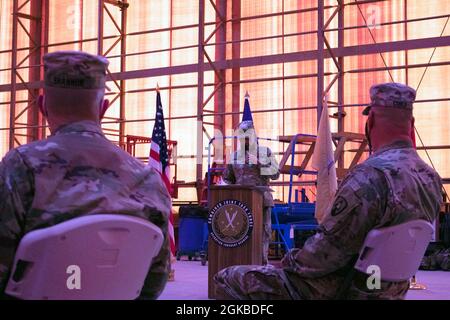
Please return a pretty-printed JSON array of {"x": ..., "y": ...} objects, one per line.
[{"x": 339, "y": 205}]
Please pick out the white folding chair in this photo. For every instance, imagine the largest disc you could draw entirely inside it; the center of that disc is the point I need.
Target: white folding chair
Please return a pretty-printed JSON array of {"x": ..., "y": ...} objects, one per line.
[
  {"x": 396, "y": 250},
  {"x": 104, "y": 257}
]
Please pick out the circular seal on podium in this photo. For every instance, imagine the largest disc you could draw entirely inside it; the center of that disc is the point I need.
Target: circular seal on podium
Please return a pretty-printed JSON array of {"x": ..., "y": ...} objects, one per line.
[{"x": 230, "y": 223}]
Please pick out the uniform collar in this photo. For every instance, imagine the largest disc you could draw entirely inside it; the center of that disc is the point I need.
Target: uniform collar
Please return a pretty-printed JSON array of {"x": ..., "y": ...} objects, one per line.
[
  {"x": 399, "y": 144},
  {"x": 80, "y": 126}
]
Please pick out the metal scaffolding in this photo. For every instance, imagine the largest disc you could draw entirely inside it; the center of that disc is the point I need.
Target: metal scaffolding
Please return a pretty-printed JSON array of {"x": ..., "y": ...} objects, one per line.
[
  {"x": 37, "y": 32},
  {"x": 105, "y": 6}
]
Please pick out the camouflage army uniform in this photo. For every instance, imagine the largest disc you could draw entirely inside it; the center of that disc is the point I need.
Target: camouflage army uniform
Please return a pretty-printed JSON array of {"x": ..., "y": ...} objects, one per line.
[
  {"x": 393, "y": 186},
  {"x": 438, "y": 260},
  {"x": 252, "y": 174},
  {"x": 73, "y": 173}
]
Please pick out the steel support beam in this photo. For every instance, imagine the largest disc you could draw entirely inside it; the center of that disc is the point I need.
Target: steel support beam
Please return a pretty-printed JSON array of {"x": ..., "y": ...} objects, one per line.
[
  {"x": 219, "y": 81},
  {"x": 292, "y": 57},
  {"x": 268, "y": 59},
  {"x": 200, "y": 95},
  {"x": 34, "y": 30},
  {"x": 100, "y": 27},
  {"x": 12, "y": 108},
  {"x": 320, "y": 58},
  {"x": 341, "y": 80},
  {"x": 104, "y": 6},
  {"x": 39, "y": 32},
  {"x": 405, "y": 37},
  {"x": 235, "y": 55},
  {"x": 123, "y": 68}
]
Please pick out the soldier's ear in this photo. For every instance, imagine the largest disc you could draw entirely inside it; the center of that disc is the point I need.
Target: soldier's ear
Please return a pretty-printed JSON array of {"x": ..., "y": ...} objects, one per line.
[
  {"x": 412, "y": 132},
  {"x": 41, "y": 105},
  {"x": 104, "y": 106}
]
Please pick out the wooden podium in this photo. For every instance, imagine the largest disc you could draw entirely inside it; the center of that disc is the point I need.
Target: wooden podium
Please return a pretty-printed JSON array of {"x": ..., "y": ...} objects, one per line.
[{"x": 250, "y": 251}]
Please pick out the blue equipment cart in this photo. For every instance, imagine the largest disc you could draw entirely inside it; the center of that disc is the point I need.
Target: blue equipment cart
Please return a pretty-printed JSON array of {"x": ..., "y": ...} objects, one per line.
[{"x": 193, "y": 233}]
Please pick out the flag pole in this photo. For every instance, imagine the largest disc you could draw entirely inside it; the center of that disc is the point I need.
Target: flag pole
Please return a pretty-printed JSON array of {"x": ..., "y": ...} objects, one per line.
[
  {"x": 172, "y": 255},
  {"x": 323, "y": 161},
  {"x": 413, "y": 284}
]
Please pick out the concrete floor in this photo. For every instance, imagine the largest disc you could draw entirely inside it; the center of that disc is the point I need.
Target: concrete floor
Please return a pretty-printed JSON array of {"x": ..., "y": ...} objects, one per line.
[{"x": 191, "y": 283}]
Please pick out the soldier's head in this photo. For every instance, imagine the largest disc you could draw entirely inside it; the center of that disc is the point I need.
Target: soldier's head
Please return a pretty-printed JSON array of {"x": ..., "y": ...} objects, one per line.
[
  {"x": 74, "y": 88},
  {"x": 247, "y": 135},
  {"x": 390, "y": 114}
]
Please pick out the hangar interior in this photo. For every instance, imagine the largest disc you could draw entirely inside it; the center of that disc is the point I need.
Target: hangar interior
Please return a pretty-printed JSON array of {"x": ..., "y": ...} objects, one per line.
[{"x": 205, "y": 56}]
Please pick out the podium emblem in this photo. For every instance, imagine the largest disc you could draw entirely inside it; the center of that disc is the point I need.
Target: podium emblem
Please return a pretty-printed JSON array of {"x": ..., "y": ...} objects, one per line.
[{"x": 230, "y": 223}]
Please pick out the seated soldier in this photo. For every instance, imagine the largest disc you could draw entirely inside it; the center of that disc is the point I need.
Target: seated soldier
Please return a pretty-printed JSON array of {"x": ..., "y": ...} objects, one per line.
[
  {"x": 394, "y": 185},
  {"x": 77, "y": 171}
]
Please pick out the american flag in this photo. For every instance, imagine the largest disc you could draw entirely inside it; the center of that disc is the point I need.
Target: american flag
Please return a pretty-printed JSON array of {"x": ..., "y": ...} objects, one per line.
[{"x": 159, "y": 158}]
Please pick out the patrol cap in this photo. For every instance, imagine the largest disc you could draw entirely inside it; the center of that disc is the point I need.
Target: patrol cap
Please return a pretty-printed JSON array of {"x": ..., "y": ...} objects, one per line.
[
  {"x": 246, "y": 125},
  {"x": 391, "y": 95},
  {"x": 75, "y": 70}
]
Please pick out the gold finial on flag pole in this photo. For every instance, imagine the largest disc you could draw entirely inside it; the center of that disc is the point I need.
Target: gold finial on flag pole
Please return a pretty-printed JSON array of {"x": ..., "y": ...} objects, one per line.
[
  {"x": 157, "y": 87},
  {"x": 246, "y": 94}
]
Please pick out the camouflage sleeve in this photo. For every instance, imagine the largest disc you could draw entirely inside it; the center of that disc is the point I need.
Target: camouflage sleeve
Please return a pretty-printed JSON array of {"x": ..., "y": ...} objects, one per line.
[
  {"x": 157, "y": 277},
  {"x": 158, "y": 274},
  {"x": 269, "y": 166},
  {"x": 228, "y": 174},
  {"x": 16, "y": 195},
  {"x": 357, "y": 207}
]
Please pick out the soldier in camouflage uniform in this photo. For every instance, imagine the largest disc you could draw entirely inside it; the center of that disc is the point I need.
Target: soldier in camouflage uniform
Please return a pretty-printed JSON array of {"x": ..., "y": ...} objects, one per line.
[
  {"x": 253, "y": 165},
  {"x": 392, "y": 186},
  {"x": 77, "y": 171}
]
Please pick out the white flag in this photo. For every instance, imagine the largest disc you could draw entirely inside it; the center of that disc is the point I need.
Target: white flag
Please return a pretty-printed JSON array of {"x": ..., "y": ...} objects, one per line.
[{"x": 323, "y": 162}]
